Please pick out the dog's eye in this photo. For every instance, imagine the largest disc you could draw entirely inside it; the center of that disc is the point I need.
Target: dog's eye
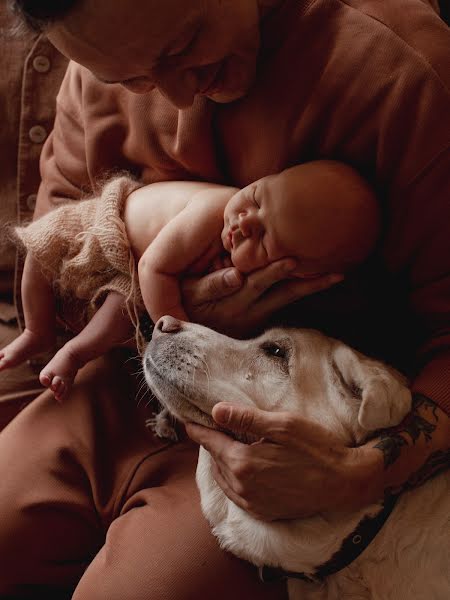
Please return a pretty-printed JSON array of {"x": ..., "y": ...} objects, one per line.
[{"x": 272, "y": 349}]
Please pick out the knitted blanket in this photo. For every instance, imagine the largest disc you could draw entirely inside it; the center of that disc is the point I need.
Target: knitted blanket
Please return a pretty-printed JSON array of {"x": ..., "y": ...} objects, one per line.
[{"x": 83, "y": 250}]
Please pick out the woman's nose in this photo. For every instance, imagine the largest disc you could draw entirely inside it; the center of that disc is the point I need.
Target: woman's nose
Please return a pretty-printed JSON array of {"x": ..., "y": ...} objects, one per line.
[{"x": 179, "y": 87}]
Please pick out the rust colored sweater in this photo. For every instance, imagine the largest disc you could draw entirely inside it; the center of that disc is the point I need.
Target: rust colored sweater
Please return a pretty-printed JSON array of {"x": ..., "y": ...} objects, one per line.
[{"x": 362, "y": 81}]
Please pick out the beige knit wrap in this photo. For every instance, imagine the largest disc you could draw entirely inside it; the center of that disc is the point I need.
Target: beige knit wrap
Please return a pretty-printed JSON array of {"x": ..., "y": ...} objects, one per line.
[{"x": 83, "y": 249}]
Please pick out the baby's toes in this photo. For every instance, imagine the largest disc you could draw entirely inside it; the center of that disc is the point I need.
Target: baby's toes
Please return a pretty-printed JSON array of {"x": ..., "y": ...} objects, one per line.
[
  {"x": 5, "y": 362},
  {"x": 58, "y": 387},
  {"x": 45, "y": 378}
]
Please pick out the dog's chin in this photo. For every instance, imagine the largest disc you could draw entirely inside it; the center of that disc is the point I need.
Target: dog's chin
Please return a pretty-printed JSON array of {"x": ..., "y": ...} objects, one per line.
[{"x": 182, "y": 404}]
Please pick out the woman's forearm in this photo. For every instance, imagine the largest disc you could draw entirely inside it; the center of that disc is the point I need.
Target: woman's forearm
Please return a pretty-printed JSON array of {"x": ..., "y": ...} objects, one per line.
[
  {"x": 405, "y": 456},
  {"x": 298, "y": 468}
]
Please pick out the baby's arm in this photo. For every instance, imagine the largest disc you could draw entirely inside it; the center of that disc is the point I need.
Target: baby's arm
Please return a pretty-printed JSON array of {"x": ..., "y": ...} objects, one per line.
[
  {"x": 193, "y": 234},
  {"x": 40, "y": 317}
]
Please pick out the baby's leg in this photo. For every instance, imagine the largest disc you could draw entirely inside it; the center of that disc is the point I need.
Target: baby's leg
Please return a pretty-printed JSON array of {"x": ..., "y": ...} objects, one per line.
[
  {"x": 39, "y": 312},
  {"x": 110, "y": 326}
]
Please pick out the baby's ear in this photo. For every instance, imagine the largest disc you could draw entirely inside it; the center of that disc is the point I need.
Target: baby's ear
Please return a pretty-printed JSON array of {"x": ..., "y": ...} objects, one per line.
[{"x": 384, "y": 397}]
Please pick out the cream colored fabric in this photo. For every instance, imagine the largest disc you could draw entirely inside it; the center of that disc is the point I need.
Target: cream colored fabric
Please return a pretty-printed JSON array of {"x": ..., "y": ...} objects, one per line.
[{"x": 84, "y": 250}]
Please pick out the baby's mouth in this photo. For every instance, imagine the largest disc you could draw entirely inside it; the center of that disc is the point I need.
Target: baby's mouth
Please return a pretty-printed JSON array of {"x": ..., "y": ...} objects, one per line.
[{"x": 236, "y": 237}]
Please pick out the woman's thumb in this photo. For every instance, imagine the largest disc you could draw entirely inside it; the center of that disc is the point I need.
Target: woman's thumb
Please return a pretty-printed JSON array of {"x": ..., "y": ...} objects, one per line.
[{"x": 242, "y": 419}]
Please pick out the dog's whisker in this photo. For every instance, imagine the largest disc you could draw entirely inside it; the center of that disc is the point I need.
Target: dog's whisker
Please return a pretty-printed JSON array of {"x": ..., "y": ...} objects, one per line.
[
  {"x": 131, "y": 358},
  {"x": 207, "y": 372},
  {"x": 193, "y": 378},
  {"x": 150, "y": 400},
  {"x": 142, "y": 392},
  {"x": 140, "y": 371}
]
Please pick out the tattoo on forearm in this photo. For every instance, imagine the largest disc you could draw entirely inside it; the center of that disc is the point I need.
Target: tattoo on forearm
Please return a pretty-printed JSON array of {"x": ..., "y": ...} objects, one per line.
[
  {"x": 436, "y": 462},
  {"x": 412, "y": 427}
]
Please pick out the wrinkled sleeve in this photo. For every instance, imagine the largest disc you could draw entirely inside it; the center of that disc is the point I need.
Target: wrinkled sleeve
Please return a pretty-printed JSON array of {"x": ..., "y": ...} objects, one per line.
[
  {"x": 421, "y": 235},
  {"x": 64, "y": 173}
]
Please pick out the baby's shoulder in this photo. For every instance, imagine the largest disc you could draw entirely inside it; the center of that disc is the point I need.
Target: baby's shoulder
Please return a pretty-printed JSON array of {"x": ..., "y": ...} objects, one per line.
[{"x": 211, "y": 198}]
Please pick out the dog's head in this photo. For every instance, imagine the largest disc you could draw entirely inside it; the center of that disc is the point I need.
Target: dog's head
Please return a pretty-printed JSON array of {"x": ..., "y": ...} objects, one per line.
[{"x": 191, "y": 368}]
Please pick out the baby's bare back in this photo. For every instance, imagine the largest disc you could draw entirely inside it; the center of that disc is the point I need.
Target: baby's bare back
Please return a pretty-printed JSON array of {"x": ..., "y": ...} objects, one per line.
[{"x": 150, "y": 208}]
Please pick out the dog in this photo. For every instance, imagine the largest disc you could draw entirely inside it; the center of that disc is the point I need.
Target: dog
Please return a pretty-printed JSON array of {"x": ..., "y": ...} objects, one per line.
[{"x": 190, "y": 368}]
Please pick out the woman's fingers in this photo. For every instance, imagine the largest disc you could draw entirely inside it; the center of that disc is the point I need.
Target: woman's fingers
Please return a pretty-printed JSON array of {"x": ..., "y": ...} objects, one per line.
[
  {"x": 293, "y": 289},
  {"x": 228, "y": 301},
  {"x": 212, "y": 287}
]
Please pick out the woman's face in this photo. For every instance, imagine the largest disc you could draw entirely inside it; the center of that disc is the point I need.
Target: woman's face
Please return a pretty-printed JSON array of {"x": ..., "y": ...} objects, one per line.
[{"x": 181, "y": 47}]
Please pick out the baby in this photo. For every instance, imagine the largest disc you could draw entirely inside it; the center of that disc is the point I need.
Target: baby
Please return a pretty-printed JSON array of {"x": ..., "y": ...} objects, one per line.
[{"x": 321, "y": 213}]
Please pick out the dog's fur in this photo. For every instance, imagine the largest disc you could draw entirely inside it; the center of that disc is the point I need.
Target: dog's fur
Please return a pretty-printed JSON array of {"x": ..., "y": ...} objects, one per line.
[{"x": 190, "y": 368}]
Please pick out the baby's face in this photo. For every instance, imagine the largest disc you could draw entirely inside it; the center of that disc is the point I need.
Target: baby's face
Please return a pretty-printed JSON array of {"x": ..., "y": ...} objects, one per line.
[
  {"x": 263, "y": 223},
  {"x": 247, "y": 233}
]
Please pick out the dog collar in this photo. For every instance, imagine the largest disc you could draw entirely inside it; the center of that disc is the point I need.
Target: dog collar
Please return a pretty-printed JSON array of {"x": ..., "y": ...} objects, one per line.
[{"x": 352, "y": 546}]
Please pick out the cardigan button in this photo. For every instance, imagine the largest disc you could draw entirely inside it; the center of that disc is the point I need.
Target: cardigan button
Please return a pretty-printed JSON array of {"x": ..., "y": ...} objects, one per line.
[
  {"x": 357, "y": 539},
  {"x": 37, "y": 134},
  {"x": 31, "y": 201},
  {"x": 41, "y": 64}
]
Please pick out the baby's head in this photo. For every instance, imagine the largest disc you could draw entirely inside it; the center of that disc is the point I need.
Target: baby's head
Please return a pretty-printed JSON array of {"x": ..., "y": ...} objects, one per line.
[{"x": 322, "y": 213}]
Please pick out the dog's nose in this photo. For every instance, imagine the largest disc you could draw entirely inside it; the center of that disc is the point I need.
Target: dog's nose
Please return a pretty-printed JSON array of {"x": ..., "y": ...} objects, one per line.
[{"x": 167, "y": 324}]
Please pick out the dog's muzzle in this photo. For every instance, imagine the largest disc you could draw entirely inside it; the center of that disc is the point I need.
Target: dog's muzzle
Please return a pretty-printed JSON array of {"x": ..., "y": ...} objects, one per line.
[{"x": 175, "y": 370}]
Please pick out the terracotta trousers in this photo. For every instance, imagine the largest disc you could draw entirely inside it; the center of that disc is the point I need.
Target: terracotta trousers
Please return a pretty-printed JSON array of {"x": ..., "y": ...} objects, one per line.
[{"x": 92, "y": 506}]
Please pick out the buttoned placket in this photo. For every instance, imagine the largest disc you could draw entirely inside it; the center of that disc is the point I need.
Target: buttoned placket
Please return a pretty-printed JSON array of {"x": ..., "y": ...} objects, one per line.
[{"x": 43, "y": 72}]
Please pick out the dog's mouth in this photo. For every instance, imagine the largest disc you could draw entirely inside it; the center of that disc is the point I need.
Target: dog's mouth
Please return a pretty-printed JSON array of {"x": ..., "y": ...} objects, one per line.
[
  {"x": 174, "y": 393},
  {"x": 175, "y": 377}
]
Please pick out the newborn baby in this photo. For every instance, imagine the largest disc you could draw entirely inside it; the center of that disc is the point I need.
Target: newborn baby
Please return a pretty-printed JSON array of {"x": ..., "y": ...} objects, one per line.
[{"x": 321, "y": 213}]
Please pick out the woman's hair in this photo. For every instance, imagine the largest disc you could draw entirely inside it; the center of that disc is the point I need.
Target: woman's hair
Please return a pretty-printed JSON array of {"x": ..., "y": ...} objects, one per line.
[{"x": 39, "y": 14}]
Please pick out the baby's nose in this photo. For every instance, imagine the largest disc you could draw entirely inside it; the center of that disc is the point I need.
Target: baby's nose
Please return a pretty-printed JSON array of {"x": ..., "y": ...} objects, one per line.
[{"x": 248, "y": 223}]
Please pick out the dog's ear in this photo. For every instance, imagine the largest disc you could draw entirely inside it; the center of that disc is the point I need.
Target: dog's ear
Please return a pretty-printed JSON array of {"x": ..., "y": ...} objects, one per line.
[{"x": 384, "y": 396}]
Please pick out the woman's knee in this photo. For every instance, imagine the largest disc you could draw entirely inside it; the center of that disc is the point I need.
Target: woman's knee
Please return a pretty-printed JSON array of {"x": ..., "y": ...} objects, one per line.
[{"x": 49, "y": 528}]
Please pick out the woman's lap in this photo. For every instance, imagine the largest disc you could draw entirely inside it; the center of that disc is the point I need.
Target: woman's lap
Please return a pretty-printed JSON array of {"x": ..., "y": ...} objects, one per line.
[{"x": 75, "y": 473}]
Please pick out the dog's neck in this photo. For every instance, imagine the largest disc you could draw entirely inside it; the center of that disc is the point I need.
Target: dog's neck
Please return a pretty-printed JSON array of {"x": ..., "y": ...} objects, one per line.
[
  {"x": 308, "y": 544},
  {"x": 300, "y": 545}
]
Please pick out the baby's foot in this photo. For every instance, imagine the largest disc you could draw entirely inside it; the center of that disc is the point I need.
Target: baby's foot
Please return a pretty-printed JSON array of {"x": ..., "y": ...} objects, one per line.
[
  {"x": 59, "y": 373},
  {"x": 24, "y": 347}
]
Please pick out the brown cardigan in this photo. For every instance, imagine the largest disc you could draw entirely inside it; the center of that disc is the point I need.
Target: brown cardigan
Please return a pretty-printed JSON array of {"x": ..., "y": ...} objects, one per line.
[{"x": 362, "y": 81}]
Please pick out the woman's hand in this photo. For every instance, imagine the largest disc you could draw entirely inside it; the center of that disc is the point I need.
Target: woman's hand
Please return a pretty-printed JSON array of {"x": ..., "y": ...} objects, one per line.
[
  {"x": 297, "y": 468},
  {"x": 237, "y": 305}
]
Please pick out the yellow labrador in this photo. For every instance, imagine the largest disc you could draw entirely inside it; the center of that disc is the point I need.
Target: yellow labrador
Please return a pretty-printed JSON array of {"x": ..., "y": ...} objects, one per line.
[{"x": 190, "y": 368}]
